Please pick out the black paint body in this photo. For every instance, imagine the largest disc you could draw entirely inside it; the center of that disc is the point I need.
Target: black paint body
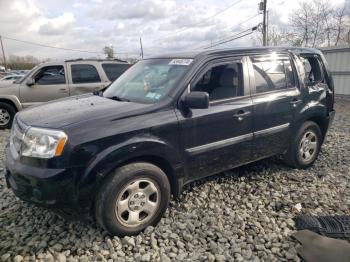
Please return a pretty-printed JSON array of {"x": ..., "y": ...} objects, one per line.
[{"x": 186, "y": 143}]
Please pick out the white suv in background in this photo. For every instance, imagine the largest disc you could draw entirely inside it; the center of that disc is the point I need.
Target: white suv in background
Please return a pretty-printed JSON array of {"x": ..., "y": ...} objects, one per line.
[{"x": 54, "y": 80}]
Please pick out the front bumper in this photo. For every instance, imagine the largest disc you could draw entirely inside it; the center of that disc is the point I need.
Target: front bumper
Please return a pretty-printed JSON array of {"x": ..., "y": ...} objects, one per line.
[{"x": 51, "y": 188}]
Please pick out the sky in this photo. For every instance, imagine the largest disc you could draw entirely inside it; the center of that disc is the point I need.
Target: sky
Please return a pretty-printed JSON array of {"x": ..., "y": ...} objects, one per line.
[{"x": 163, "y": 25}]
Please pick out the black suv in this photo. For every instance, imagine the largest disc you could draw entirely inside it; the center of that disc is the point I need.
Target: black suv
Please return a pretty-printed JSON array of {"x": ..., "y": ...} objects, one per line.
[{"x": 167, "y": 121}]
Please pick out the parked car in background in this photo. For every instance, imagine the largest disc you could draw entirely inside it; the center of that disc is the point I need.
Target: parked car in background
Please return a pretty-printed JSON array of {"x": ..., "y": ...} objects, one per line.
[
  {"x": 10, "y": 78},
  {"x": 54, "y": 80},
  {"x": 169, "y": 120}
]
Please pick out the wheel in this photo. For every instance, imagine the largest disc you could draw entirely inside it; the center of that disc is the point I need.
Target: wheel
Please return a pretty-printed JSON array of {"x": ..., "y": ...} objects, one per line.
[
  {"x": 305, "y": 147},
  {"x": 133, "y": 197},
  {"x": 7, "y": 112}
]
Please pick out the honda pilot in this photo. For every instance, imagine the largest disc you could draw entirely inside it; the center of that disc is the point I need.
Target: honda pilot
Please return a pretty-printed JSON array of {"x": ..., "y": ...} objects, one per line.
[{"x": 118, "y": 155}]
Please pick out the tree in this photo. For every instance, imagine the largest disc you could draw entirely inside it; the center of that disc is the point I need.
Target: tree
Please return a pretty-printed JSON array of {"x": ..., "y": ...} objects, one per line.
[
  {"x": 109, "y": 52},
  {"x": 319, "y": 23},
  {"x": 340, "y": 15}
]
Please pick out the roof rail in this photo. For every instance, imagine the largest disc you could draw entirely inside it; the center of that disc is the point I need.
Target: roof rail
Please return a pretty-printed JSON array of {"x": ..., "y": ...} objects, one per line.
[{"x": 95, "y": 59}]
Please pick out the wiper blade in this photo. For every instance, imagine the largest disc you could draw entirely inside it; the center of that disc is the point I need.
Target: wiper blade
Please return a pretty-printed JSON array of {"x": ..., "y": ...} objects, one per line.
[{"x": 118, "y": 98}]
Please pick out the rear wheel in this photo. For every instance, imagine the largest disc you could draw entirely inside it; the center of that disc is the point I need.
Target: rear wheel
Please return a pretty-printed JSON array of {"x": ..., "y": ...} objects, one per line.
[
  {"x": 7, "y": 113},
  {"x": 305, "y": 147},
  {"x": 132, "y": 198}
]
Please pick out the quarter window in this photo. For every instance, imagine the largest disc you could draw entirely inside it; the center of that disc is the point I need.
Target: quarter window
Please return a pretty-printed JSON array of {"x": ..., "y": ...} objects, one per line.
[
  {"x": 272, "y": 74},
  {"x": 313, "y": 70},
  {"x": 222, "y": 82},
  {"x": 50, "y": 75},
  {"x": 84, "y": 74}
]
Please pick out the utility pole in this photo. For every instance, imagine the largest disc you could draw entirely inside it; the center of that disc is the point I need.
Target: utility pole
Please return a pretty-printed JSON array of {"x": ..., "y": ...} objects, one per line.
[
  {"x": 141, "y": 48},
  {"x": 267, "y": 27},
  {"x": 3, "y": 52},
  {"x": 262, "y": 8}
]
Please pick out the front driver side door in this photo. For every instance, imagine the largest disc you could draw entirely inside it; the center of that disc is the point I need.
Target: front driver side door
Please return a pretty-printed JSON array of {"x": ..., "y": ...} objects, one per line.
[
  {"x": 219, "y": 137},
  {"x": 50, "y": 83}
]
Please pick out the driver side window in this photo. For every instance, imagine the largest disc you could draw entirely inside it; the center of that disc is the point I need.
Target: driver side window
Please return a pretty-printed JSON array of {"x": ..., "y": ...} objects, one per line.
[
  {"x": 51, "y": 75},
  {"x": 222, "y": 82}
]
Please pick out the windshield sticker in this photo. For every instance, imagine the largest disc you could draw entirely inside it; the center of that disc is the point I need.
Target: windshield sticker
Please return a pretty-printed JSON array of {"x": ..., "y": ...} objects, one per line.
[
  {"x": 150, "y": 95},
  {"x": 185, "y": 62},
  {"x": 153, "y": 95}
]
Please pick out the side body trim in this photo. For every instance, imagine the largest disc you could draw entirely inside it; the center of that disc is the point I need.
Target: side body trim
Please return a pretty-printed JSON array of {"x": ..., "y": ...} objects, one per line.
[
  {"x": 220, "y": 144},
  {"x": 272, "y": 130}
]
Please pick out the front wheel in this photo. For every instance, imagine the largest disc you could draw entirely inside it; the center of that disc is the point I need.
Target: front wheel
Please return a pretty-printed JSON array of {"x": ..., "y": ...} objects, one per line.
[
  {"x": 7, "y": 113},
  {"x": 305, "y": 147},
  {"x": 133, "y": 197}
]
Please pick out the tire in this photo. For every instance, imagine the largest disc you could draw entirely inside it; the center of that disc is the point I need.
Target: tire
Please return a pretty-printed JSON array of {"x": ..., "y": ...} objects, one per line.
[
  {"x": 305, "y": 147},
  {"x": 132, "y": 198},
  {"x": 7, "y": 113}
]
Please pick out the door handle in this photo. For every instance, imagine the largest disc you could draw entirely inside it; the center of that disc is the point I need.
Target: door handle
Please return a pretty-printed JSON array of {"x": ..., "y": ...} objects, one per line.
[
  {"x": 295, "y": 102},
  {"x": 241, "y": 114},
  {"x": 63, "y": 90}
]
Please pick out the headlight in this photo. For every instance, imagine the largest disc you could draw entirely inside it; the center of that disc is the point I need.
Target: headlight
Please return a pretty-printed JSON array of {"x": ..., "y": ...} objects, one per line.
[{"x": 43, "y": 143}]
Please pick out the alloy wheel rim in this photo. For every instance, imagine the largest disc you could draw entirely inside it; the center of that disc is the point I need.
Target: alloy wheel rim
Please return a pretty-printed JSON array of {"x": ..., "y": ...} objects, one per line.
[
  {"x": 137, "y": 202},
  {"x": 4, "y": 117},
  {"x": 308, "y": 146}
]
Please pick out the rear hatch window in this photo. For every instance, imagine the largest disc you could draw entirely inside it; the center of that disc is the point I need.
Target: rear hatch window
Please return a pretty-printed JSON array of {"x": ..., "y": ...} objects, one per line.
[{"x": 113, "y": 71}]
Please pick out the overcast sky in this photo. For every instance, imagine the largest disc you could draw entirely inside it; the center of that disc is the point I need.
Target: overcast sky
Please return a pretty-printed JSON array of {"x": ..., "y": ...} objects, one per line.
[{"x": 164, "y": 25}]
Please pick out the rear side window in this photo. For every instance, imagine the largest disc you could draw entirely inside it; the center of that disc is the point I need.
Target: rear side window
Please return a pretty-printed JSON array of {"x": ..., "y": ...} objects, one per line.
[
  {"x": 272, "y": 74},
  {"x": 84, "y": 74},
  {"x": 113, "y": 71},
  {"x": 50, "y": 75}
]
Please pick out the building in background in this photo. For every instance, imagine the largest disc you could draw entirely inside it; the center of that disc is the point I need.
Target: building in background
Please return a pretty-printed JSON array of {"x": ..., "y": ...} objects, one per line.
[{"x": 339, "y": 62}]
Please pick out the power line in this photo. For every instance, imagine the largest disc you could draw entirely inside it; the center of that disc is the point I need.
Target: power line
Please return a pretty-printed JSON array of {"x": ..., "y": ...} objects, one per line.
[
  {"x": 250, "y": 18},
  {"x": 235, "y": 37},
  {"x": 48, "y": 46},
  {"x": 202, "y": 21},
  {"x": 60, "y": 48},
  {"x": 235, "y": 26}
]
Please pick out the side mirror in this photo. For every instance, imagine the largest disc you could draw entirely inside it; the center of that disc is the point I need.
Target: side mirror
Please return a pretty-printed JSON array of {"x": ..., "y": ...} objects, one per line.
[
  {"x": 30, "y": 82},
  {"x": 196, "y": 100}
]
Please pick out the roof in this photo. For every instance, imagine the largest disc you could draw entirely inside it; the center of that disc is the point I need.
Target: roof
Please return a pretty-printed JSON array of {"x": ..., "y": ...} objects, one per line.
[
  {"x": 82, "y": 60},
  {"x": 199, "y": 53}
]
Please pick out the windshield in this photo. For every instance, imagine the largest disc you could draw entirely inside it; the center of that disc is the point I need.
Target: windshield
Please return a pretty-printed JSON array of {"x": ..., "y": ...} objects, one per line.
[
  {"x": 19, "y": 81},
  {"x": 148, "y": 81}
]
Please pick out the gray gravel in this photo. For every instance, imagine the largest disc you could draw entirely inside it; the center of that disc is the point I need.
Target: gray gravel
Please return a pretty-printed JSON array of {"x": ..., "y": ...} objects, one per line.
[{"x": 241, "y": 215}]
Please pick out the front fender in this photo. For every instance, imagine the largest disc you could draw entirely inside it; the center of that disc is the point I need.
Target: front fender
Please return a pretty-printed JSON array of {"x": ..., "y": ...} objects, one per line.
[
  {"x": 113, "y": 156},
  {"x": 14, "y": 99}
]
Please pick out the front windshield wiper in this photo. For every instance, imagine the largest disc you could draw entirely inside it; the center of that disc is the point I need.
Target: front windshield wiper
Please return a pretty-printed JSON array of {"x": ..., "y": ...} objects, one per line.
[{"x": 118, "y": 98}]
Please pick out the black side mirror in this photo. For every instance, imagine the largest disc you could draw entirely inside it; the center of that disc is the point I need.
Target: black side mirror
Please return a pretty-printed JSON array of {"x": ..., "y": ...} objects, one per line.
[
  {"x": 30, "y": 82},
  {"x": 196, "y": 100}
]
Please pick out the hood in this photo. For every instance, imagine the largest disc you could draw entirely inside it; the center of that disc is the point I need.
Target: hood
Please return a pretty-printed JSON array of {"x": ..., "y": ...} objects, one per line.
[
  {"x": 7, "y": 83},
  {"x": 63, "y": 112}
]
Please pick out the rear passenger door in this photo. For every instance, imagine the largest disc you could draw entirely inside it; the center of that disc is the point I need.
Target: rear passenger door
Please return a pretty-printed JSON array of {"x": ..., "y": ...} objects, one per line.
[
  {"x": 219, "y": 137},
  {"x": 276, "y": 98},
  {"x": 84, "y": 78}
]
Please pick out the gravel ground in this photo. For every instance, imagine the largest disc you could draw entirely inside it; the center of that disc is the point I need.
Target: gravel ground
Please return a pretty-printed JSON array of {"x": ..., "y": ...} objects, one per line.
[{"x": 241, "y": 215}]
